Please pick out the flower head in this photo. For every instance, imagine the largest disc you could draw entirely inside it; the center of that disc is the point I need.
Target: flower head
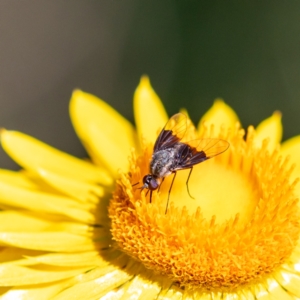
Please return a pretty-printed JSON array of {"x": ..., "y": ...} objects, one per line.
[{"x": 76, "y": 228}]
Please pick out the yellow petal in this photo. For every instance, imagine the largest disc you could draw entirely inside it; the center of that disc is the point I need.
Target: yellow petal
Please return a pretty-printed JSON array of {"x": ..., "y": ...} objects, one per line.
[
  {"x": 108, "y": 136},
  {"x": 37, "y": 201},
  {"x": 114, "y": 294},
  {"x": 246, "y": 294},
  {"x": 4, "y": 290},
  {"x": 150, "y": 115},
  {"x": 15, "y": 221},
  {"x": 241, "y": 296},
  {"x": 80, "y": 190},
  {"x": 289, "y": 282},
  {"x": 43, "y": 291},
  {"x": 270, "y": 128},
  {"x": 11, "y": 255},
  {"x": 49, "y": 241},
  {"x": 184, "y": 111},
  {"x": 229, "y": 296},
  {"x": 96, "y": 288},
  {"x": 87, "y": 258},
  {"x": 261, "y": 292},
  {"x": 291, "y": 147},
  {"x": 17, "y": 178},
  {"x": 11, "y": 275},
  {"x": 276, "y": 291},
  {"x": 142, "y": 288},
  {"x": 98, "y": 272},
  {"x": 219, "y": 114},
  {"x": 33, "y": 155},
  {"x": 174, "y": 293},
  {"x": 217, "y": 295}
]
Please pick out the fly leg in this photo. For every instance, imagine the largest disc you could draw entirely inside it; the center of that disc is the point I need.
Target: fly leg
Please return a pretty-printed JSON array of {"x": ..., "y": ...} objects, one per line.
[
  {"x": 161, "y": 183},
  {"x": 170, "y": 192},
  {"x": 150, "y": 194},
  {"x": 187, "y": 183}
]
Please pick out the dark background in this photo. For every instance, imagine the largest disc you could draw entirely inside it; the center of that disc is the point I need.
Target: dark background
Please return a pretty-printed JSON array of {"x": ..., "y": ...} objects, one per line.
[{"x": 247, "y": 52}]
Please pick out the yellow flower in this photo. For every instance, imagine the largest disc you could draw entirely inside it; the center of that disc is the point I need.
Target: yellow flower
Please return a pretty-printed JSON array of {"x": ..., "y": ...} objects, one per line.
[{"x": 80, "y": 229}]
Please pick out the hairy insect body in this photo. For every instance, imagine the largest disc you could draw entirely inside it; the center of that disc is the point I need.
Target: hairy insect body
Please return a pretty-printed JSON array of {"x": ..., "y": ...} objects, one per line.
[{"x": 164, "y": 162}]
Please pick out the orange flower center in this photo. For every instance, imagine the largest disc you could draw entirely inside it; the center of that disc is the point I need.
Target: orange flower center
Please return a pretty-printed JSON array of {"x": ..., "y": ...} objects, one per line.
[{"x": 242, "y": 224}]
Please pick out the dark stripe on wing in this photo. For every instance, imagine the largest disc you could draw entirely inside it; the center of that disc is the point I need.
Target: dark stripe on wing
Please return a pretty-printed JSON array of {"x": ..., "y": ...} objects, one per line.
[
  {"x": 172, "y": 133},
  {"x": 165, "y": 140},
  {"x": 203, "y": 149}
]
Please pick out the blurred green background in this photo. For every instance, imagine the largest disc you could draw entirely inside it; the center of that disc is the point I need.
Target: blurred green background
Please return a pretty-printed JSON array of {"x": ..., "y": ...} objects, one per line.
[{"x": 246, "y": 52}]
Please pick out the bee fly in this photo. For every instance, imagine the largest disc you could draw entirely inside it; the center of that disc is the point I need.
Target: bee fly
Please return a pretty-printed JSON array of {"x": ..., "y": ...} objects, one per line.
[{"x": 171, "y": 154}]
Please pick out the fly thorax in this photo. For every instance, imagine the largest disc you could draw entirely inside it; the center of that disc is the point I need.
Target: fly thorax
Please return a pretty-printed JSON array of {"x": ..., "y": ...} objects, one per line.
[{"x": 161, "y": 162}]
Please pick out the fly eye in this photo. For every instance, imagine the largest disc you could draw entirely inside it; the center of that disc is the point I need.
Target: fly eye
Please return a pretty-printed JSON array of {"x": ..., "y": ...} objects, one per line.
[
  {"x": 153, "y": 185},
  {"x": 147, "y": 179},
  {"x": 150, "y": 182}
]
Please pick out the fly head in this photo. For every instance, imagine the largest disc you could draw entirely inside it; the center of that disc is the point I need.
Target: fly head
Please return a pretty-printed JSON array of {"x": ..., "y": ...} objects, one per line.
[{"x": 150, "y": 182}]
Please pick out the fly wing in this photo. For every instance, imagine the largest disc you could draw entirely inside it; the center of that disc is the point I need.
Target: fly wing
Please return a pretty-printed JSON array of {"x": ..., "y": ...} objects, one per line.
[
  {"x": 172, "y": 133},
  {"x": 197, "y": 151}
]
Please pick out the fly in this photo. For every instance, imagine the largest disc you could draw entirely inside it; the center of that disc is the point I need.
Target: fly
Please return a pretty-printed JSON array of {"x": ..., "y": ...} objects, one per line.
[{"x": 172, "y": 154}]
